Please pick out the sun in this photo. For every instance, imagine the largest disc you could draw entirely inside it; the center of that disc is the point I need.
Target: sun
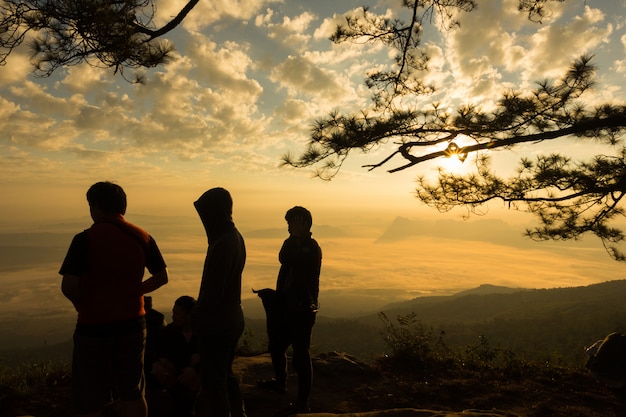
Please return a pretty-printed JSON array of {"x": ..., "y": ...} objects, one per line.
[
  {"x": 451, "y": 164},
  {"x": 454, "y": 160}
]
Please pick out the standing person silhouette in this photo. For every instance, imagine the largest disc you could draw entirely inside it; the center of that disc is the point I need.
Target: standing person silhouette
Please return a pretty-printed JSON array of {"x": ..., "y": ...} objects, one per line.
[
  {"x": 103, "y": 275},
  {"x": 297, "y": 289},
  {"x": 218, "y": 317}
]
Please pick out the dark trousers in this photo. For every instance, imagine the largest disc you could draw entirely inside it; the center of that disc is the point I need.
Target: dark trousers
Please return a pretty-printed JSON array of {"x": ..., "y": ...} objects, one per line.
[
  {"x": 295, "y": 331},
  {"x": 220, "y": 395}
]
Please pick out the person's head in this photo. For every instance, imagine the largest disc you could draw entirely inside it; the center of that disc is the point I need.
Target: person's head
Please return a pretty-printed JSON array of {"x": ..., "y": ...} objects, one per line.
[
  {"x": 299, "y": 220},
  {"x": 107, "y": 197},
  {"x": 183, "y": 308},
  {"x": 215, "y": 208}
]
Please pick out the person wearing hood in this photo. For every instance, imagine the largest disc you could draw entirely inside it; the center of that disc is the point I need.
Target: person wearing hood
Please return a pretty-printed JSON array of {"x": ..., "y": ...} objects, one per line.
[{"x": 218, "y": 317}]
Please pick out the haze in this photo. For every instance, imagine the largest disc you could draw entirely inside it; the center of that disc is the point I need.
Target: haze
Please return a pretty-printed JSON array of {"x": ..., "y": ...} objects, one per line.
[{"x": 364, "y": 267}]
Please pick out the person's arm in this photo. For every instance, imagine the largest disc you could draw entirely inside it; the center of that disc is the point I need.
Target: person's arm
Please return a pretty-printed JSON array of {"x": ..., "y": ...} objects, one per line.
[
  {"x": 156, "y": 266},
  {"x": 157, "y": 280},
  {"x": 73, "y": 267},
  {"x": 70, "y": 286}
]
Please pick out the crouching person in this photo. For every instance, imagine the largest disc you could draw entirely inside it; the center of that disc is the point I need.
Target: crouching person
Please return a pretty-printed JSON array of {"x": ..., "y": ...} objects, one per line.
[{"x": 177, "y": 366}]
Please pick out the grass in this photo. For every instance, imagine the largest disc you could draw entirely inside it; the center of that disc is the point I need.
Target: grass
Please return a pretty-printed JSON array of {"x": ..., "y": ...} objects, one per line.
[{"x": 38, "y": 387}]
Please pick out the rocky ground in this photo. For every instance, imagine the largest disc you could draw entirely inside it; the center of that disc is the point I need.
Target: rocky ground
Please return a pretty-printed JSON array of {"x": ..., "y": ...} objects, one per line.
[{"x": 343, "y": 385}]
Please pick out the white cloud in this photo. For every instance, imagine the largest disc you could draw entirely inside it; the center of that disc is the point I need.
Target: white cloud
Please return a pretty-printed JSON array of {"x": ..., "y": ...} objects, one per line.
[
  {"x": 85, "y": 78},
  {"x": 301, "y": 75},
  {"x": 328, "y": 26},
  {"x": 496, "y": 47},
  {"x": 547, "y": 56},
  {"x": 291, "y": 32},
  {"x": 207, "y": 13},
  {"x": 16, "y": 69},
  {"x": 620, "y": 64},
  {"x": 264, "y": 19}
]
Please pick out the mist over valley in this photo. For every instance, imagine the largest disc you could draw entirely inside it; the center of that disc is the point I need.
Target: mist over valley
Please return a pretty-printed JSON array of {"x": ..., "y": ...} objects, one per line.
[{"x": 364, "y": 271}]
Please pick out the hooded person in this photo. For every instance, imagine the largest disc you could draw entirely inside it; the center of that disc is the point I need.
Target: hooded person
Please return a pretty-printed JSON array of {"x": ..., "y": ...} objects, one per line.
[{"x": 218, "y": 317}]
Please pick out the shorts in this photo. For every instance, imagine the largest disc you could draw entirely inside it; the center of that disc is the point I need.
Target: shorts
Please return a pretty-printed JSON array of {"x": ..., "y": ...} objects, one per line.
[{"x": 108, "y": 366}]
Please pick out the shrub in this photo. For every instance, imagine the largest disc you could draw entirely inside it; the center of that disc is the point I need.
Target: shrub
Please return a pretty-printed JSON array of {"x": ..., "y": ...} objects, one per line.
[
  {"x": 411, "y": 344},
  {"x": 414, "y": 347}
]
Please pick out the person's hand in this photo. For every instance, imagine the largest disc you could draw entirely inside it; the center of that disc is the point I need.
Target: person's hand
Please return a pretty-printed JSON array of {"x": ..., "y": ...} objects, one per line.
[
  {"x": 195, "y": 359},
  {"x": 187, "y": 376},
  {"x": 164, "y": 372}
]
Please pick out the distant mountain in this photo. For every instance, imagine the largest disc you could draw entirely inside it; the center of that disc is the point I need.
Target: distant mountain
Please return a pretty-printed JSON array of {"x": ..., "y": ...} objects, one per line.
[
  {"x": 540, "y": 323},
  {"x": 487, "y": 230},
  {"x": 274, "y": 233},
  {"x": 281, "y": 232},
  {"x": 489, "y": 302},
  {"x": 485, "y": 289}
]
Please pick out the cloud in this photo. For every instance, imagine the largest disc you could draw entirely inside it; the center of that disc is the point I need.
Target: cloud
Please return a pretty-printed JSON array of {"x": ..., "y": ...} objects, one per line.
[
  {"x": 173, "y": 111},
  {"x": 300, "y": 75},
  {"x": 496, "y": 44},
  {"x": 581, "y": 35},
  {"x": 248, "y": 80},
  {"x": 290, "y": 31},
  {"x": 208, "y": 13},
  {"x": 31, "y": 130},
  {"x": 620, "y": 64},
  {"x": 17, "y": 68},
  {"x": 84, "y": 79}
]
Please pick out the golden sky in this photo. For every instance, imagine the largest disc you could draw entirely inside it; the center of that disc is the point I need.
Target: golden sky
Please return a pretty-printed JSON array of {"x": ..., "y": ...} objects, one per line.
[{"x": 246, "y": 86}]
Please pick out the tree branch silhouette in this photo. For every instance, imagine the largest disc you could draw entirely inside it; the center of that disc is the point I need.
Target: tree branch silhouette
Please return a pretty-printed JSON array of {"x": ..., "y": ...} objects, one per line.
[
  {"x": 568, "y": 198},
  {"x": 116, "y": 34}
]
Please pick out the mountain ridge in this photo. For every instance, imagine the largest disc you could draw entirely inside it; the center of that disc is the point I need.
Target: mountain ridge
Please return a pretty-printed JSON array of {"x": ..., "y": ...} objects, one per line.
[{"x": 560, "y": 321}]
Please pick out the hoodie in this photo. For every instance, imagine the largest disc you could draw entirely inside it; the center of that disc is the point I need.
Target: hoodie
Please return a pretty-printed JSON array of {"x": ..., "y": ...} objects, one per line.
[{"x": 219, "y": 301}]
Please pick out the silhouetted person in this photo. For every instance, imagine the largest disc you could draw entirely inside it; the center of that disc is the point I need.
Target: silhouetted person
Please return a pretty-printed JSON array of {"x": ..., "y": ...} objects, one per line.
[
  {"x": 177, "y": 364},
  {"x": 103, "y": 275},
  {"x": 297, "y": 290},
  {"x": 218, "y": 317},
  {"x": 155, "y": 323}
]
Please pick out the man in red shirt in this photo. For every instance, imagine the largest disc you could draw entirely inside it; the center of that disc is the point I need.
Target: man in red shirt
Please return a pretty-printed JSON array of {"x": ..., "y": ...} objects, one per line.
[{"x": 103, "y": 275}]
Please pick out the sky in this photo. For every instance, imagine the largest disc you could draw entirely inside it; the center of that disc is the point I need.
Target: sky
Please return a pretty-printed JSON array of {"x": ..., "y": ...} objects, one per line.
[{"x": 248, "y": 80}]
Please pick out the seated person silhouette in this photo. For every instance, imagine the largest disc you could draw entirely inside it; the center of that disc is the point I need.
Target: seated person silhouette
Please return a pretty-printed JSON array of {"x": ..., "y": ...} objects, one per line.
[
  {"x": 155, "y": 323},
  {"x": 178, "y": 359}
]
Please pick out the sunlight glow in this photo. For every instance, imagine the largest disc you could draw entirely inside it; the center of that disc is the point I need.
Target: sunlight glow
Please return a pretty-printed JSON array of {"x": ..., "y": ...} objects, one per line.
[{"x": 454, "y": 159}]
